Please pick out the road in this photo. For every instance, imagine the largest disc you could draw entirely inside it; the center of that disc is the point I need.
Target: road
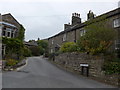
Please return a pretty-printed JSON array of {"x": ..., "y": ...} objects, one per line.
[{"x": 40, "y": 73}]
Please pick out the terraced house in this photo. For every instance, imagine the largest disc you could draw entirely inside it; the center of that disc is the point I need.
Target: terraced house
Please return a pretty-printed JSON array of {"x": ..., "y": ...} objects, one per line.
[
  {"x": 72, "y": 32},
  {"x": 10, "y": 28}
]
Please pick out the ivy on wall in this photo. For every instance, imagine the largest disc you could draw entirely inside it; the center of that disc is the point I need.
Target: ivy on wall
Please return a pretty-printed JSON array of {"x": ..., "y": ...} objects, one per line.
[{"x": 21, "y": 33}]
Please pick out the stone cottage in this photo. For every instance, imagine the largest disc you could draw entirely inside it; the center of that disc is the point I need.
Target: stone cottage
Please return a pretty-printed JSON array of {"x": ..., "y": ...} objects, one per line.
[
  {"x": 72, "y": 32},
  {"x": 10, "y": 28}
]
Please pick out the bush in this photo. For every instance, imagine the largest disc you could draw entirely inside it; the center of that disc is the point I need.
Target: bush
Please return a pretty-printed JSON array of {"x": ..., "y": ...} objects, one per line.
[
  {"x": 112, "y": 67},
  {"x": 13, "y": 46},
  {"x": 11, "y": 62},
  {"x": 26, "y": 52},
  {"x": 36, "y": 50},
  {"x": 68, "y": 47},
  {"x": 42, "y": 50},
  {"x": 43, "y": 46},
  {"x": 97, "y": 39}
]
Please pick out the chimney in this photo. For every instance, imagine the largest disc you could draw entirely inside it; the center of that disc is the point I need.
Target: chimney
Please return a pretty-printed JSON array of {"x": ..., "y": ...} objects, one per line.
[
  {"x": 76, "y": 18},
  {"x": 66, "y": 26},
  {"x": 90, "y": 15}
]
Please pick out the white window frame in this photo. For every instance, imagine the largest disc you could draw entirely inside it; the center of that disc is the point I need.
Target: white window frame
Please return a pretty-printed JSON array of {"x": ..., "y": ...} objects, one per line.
[
  {"x": 51, "y": 51},
  {"x": 65, "y": 37},
  {"x": 82, "y": 32},
  {"x": 116, "y": 22},
  {"x": 52, "y": 41},
  {"x": 7, "y": 34},
  {"x": 117, "y": 42}
]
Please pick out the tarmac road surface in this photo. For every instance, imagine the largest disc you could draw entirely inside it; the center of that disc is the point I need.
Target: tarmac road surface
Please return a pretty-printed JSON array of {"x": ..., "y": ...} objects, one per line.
[{"x": 40, "y": 73}]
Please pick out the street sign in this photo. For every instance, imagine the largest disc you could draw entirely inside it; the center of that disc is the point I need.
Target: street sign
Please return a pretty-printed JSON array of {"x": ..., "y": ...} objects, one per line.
[{"x": 84, "y": 65}]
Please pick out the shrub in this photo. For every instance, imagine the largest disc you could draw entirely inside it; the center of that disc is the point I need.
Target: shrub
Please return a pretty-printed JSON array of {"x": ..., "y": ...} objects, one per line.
[
  {"x": 43, "y": 46},
  {"x": 42, "y": 50},
  {"x": 112, "y": 67},
  {"x": 26, "y": 52},
  {"x": 68, "y": 47},
  {"x": 13, "y": 46},
  {"x": 97, "y": 39},
  {"x": 11, "y": 62}
]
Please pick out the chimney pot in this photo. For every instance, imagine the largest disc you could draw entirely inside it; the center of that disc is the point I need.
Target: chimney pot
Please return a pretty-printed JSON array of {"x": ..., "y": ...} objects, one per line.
[
  {"x": 75, "y": 14},
  {"x": 72, "y": 14}
]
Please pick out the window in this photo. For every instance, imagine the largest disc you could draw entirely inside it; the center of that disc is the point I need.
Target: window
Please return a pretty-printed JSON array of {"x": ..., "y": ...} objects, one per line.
[
  {"x": 12, "y": 34},
  {"x": 64, "y": 37},
  {"x": 82, "y": 32},
  {"x": 3, "y": 33},
  {"x": 51, "y": 50},
  {"x": 52, "y": 41},
  {"x": 116, "y": 22},
  {"x": 117, "y": 44},
  {"x": 8, "y": 34}
]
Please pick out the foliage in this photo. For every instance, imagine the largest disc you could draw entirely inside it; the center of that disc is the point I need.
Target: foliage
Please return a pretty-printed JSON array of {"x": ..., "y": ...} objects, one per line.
[
  {"x": 35, "y": 50},
  {"x": 97, "y": 39},
  {"x": 68, "y": 47},
  {"x": 42, "y": 50},
  {"x": 15, "y": 48},
  {"x": 43, "y": 46},
  {"x": 11, "y": 62},
  {"x": 42, "y": 43},
  {"x": 13, "y": 45},
  {"x": 112, "y": 67},
  {"x": 26, "y": 52},
  {"x": 21, "y": 33}
]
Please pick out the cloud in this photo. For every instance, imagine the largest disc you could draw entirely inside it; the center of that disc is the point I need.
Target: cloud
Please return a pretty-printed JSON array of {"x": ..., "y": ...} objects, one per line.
[{"x": 44, "y": 19}]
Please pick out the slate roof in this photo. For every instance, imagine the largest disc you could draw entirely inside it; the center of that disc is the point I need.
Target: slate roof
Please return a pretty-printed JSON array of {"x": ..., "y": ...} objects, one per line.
[{"x": 80, "y": 25}]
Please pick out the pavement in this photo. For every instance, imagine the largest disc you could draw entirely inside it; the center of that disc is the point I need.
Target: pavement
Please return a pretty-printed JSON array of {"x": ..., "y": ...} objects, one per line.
[{"x": 40, "y": 73}]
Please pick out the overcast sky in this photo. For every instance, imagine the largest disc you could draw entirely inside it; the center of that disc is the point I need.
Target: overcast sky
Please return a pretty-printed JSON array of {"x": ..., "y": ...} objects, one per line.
[{"x": 45, "y": 18}]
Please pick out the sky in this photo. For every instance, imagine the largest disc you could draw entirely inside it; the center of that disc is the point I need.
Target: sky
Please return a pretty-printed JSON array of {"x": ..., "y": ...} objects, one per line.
[{"x": 45, "y": 18}]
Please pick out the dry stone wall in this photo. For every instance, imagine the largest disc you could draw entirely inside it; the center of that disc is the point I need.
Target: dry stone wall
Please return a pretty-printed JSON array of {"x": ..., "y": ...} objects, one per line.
[{"x": 73, "y": 61}]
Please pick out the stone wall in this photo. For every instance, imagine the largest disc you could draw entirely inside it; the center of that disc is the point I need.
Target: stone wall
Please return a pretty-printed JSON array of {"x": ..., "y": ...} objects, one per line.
[
  {"x": 71, "y": 36},
  {"x": 73, "y": 60}
]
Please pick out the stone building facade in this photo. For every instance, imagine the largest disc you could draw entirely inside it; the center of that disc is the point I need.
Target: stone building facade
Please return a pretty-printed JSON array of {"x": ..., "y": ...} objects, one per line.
[
  {"x": 72, "y": 32},
  {"x": 9, "y": 28}
]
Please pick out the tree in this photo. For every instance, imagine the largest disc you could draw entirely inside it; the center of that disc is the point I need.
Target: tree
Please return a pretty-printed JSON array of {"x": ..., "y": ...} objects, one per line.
[
  {"x": 43, "y": 45},
  {"x": 98, "y": 37},
  {"x": 35, "y": 50}
]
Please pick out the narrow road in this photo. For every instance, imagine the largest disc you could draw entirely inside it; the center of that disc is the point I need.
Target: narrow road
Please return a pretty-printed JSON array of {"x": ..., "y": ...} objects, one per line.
[{"x": 40, "y": 73}]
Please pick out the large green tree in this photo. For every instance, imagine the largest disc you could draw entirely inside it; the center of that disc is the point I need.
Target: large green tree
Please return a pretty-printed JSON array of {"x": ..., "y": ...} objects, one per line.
[{"x": 43, "y": 45}]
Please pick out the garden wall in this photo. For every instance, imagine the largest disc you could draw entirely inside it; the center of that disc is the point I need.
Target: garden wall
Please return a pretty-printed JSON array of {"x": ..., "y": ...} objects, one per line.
[{"x": 73, "y": 61}]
